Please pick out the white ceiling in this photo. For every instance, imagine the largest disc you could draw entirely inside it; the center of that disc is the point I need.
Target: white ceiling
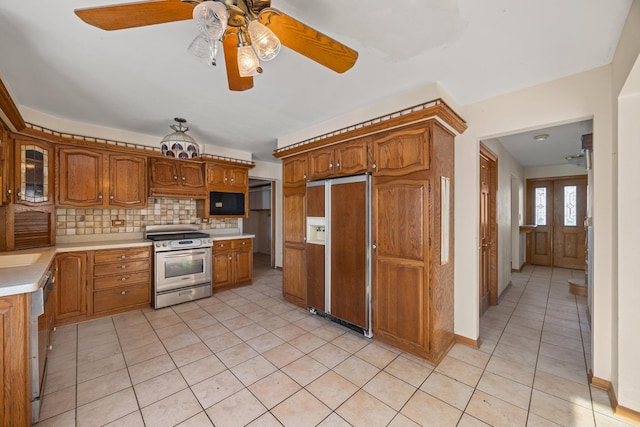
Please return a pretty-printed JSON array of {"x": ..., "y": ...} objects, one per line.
[
  {"x": 139, "y": 79},
  {"x": 564, "y": 140}
]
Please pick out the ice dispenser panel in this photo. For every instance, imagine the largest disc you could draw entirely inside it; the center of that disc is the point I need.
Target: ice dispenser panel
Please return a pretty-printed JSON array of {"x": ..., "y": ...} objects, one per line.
[{"x": 316, "y": 230}]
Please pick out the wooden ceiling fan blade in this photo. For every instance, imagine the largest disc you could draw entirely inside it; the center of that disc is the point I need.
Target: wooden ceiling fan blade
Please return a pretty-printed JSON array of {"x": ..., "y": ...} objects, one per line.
[
  {"x": 308, "y": 41},
  {"x": 230, "y": 45},
  {"x": 131, "y": 15}
]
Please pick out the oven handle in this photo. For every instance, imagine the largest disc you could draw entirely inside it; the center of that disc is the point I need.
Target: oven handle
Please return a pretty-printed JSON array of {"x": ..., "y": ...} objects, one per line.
[{"x": 181, "y": 255}]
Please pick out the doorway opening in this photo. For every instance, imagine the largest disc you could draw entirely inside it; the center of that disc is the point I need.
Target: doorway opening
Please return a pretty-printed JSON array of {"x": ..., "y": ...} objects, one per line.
[
  {"x": 488, "y": 285},
  {"x": 261, "y": 220}
]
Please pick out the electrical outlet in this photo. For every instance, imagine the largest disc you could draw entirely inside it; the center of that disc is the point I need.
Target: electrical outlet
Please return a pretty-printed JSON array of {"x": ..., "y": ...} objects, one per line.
[{"x": 117, "y": 222}]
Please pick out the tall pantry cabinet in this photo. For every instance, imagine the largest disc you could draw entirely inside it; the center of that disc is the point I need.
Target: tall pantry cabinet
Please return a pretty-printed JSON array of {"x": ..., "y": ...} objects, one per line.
[{"x": 410, "y": 156}]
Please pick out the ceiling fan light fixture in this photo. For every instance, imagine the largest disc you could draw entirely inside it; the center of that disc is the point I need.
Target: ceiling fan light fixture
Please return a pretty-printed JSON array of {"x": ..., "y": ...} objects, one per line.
[
  {"x": 264, "y": 41},
  {"x": 248, "y": 63},
  {"x": 211, "y": 18},
  {"x": 204, "y": 49}
]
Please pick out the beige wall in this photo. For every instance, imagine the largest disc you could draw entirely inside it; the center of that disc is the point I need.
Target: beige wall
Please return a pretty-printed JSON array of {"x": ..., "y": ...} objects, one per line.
[
  {"x": 565, "y": 100},
  {"x": 625, "y": 293},
  {"x": 63, "y": 125},
  {"x": 550, "y": 171},
  {"x": 626, "y": 372},
  {"x": 508, "y": 168}
]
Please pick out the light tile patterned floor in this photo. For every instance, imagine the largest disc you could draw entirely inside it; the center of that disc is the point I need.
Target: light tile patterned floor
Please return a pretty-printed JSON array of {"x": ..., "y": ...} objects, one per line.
[{"x": 246, "y": 357}]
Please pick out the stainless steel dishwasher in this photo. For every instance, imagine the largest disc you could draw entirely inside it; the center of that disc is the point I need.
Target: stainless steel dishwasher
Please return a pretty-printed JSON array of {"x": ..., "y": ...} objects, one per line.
[{"x": 40, "y": 326}]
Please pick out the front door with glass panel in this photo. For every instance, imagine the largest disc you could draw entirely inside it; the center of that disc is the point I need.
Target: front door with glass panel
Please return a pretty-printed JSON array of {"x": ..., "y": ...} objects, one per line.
[{"x": 557, "y": 206}]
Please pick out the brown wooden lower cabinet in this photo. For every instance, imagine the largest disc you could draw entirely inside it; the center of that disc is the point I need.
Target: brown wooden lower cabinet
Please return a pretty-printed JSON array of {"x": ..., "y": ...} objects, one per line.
[
  {"x": 91, "y": 284},
  {"x": 232, "y": 262},
  {"x": 121, "y": 280},
  {"x": 71, "y": 287},
  {"x": 15, "y": 401}
]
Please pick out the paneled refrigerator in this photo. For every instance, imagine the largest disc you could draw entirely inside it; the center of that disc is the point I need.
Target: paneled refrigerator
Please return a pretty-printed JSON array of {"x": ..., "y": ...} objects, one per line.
[{"x": 338, "y": 250}]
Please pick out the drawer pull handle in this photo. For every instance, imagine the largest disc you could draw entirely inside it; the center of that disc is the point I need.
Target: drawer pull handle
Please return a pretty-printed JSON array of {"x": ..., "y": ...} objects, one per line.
[
  {"x": 123, "y": 293},
  {"x": 123, "y": 257},
  {"x": 244, "y": 243},
  {"x": 123, "y": 278},
  {"x": 123, "y": 266}
]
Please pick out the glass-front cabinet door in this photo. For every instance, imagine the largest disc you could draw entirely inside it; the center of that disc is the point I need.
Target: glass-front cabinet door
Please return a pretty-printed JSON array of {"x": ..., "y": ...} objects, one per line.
[{"x": 34, "y": 172}]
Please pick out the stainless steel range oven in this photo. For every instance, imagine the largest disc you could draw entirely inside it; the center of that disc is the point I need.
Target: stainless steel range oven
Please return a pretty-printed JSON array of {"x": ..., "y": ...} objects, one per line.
[{"x": 182, "y": 264}]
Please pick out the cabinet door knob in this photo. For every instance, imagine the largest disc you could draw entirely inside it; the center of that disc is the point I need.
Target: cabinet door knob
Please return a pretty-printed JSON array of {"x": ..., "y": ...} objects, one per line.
[
  {"x": 244, "y": 243},
  {"x": 50, "y": 348},
  {"x": 123, "y": 278},
  {"x": 111, "y": 197},
  {"x": 330, "y": 165},
  {"x": 123, "y": 293},
  {"x": 229, "y": 257},
  {"x": 338, "y": 165},
  {"x": 99, "y": 196},
  {"x": 18, "y": 195},
  {"x": 184, "y": 179},
  {"x": 175, "y": 177}
]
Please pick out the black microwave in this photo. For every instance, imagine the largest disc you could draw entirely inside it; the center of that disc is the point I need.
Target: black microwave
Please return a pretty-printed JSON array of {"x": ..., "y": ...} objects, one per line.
[{"x": 224, "y": 203}]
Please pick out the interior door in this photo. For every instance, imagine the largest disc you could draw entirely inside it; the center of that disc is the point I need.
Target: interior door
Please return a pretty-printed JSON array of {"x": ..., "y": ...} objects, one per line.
[
  {"x": 541, "y": 201},
  {"x": 485, "y": 234},
  {"x": 570, "y": 207}
]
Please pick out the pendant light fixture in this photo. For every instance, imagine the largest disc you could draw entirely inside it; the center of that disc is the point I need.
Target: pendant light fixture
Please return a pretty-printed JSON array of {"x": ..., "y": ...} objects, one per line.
[{"x": 178, "y": 144}]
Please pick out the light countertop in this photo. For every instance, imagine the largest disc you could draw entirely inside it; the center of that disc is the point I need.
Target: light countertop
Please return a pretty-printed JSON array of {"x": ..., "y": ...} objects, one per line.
[
  {"x": 26, "y": 278},
  {"x": 217, "y": 237}
]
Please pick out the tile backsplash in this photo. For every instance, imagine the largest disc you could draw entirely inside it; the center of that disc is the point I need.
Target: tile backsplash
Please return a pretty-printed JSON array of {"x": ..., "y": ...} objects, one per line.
[{"x": 160, "y": 211}]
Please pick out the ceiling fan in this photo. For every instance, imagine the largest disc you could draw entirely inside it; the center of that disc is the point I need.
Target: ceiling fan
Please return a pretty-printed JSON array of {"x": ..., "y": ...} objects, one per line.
[{"x": 232, "y": 22}]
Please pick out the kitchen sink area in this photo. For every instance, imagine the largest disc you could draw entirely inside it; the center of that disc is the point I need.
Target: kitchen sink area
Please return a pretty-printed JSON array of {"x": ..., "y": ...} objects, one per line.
[{"x": 18, "y": 260}]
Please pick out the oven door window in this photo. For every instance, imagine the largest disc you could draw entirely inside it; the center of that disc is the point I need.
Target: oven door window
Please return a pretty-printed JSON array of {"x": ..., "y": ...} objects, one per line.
[
  {"x": 183, "y": 267},
  {"x": 178, "y": 269}
]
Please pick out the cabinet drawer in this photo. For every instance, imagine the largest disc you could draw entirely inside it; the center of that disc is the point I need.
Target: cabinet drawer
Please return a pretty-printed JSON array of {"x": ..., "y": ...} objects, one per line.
[
  {"x": 117, "y": 298},
  {"x": 101, "y": 257},
  {"x": 120, "y": 267},
  {"x": 241, "y": 243},
  {"x": 221, "y": 245},
  {"x": 123, "y": 279}
]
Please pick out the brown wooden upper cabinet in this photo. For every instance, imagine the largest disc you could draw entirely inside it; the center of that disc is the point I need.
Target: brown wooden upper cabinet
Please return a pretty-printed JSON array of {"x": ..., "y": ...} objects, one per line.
[
  {"x": 92, "y": 178},
  {"x": 227, "y": 178},
  {"x": 341, "y": 160},
  {"x": 34, "y": 181},
  {"x": 176, "y": 178},
  {"x": 127, "y": 181},
  {"x": 294, "y": 170},
  {"x": 402, "y": 151}
]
